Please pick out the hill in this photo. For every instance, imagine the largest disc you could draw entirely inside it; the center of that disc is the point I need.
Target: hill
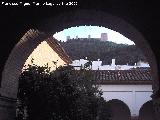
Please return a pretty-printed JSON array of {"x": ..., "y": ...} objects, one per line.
[{"x": 95, "y": 49}]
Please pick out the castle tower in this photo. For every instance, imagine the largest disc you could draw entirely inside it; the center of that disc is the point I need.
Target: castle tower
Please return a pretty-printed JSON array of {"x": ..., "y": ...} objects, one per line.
[
  {"x": 77, "y": 37},
  {"x": 68, "y": 37},
  {"x": 104, "y": 37}
]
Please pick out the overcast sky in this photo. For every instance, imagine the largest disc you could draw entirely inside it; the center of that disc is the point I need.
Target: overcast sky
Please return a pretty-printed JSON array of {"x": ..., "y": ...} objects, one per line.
[{"x": 94, "y": 31}]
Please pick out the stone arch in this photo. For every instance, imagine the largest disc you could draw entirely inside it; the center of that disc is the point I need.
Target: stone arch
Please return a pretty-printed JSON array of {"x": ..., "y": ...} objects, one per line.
[
  {"x": 66, "y": 20},
  {"x": 16, "y": 60},
  {"x": 146, "y": 111},
  {"x": 119, "y": 110},
  {"x": 99, "y": 18}
]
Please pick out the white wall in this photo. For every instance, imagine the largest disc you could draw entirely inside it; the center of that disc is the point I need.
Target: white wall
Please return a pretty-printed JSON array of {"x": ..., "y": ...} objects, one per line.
[
  {"x": 44, "y": 54},
  {"x": 142, "y": 64},
  {"x": 98, "y": 65},
  {"x": 133, "y": 95}
]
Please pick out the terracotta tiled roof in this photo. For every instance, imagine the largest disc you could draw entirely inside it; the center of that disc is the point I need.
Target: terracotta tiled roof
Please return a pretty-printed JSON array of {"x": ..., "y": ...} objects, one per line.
[{"x": 134, "y": 76}]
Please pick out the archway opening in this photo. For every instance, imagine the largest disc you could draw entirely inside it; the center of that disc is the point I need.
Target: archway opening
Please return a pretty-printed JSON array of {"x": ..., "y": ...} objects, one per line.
[
  {"x": 119, "y": 78},
  {"x": 147, "y": 111},
  {"x": 120, "y": 111},
  {"x": 18, "y": 57}
]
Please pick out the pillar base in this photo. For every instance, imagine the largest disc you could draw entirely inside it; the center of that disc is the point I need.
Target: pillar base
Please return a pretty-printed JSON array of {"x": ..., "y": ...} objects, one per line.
[
  {"x": 156, "y": 104},
  {"x": 7, "y": 108}
]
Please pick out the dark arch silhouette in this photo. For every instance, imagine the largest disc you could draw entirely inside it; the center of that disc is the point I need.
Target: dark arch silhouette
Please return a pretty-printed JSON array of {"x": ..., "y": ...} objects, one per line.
[
  {"x": 66, "y": 20},
  {"x": 146, "y": 112},
  {"x": 119, "y": 110}
]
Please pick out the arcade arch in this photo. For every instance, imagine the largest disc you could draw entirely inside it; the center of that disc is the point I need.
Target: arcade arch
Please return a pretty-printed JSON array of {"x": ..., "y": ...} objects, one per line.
[
  {"x": 119, "y": 110},
  {"x": 146, "y": 111}
]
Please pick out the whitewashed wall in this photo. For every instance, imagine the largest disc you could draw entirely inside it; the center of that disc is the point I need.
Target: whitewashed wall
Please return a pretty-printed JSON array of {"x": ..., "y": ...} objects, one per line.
[
  {"x": 98, "y": 65},
  {"x": 133, "y": 95}
]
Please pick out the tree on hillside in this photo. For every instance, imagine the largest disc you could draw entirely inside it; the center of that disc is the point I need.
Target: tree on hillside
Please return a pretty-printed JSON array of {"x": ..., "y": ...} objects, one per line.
[{"x": 106, "y": 51}]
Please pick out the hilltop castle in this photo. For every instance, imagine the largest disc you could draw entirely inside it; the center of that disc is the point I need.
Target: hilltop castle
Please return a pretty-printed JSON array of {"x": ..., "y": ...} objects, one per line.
[{"x": 104, "y": 37}]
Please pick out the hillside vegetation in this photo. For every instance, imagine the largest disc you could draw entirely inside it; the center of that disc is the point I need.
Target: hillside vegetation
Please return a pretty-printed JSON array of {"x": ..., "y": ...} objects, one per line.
[{"x": 95, "y": 49}]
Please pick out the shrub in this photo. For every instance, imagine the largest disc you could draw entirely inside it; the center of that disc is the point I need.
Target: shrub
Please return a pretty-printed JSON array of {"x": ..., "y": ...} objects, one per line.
[{"x": 63, "y": 94}]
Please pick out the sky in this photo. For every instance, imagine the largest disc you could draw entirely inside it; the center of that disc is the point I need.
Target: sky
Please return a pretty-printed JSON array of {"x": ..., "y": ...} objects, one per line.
[{"x": 94, "y": 31}]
